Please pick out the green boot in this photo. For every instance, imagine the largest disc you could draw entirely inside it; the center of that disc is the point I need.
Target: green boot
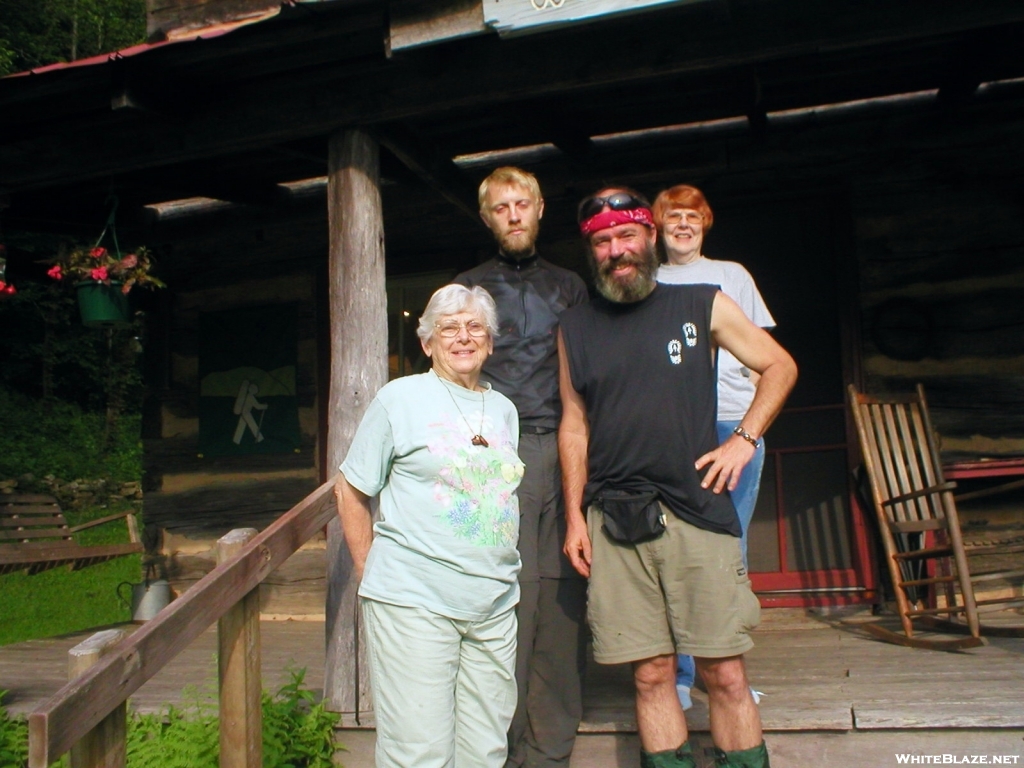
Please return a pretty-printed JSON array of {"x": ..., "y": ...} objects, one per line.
[
  {"x": 670, "y": 758},
  {"x": 757, "y": 757}
]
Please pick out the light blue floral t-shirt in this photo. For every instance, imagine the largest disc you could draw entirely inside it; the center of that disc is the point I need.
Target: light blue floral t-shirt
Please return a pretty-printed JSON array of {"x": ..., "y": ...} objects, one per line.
[{"x": 449, "y": 516}]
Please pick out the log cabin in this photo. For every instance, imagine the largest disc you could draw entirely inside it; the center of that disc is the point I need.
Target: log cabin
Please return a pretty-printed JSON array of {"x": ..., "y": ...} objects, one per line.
[{"x": 306, "y": 174}]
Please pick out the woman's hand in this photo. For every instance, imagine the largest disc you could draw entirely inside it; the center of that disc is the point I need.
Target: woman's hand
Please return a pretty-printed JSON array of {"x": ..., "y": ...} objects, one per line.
[{"x": 356, "y": 522}]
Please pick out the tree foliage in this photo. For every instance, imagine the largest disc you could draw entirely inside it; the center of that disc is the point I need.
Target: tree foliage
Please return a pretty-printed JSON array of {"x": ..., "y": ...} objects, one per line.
[
  {"x": 47, "y": 353},
  {"x": 34, "y": 33}
]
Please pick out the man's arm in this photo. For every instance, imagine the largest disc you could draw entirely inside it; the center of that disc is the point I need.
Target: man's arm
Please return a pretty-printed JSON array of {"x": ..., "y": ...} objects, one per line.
[
  {"x": 756, "y": 349},
  {"x": 356, "y": 522},
  {"x": 573, "y": 438}
]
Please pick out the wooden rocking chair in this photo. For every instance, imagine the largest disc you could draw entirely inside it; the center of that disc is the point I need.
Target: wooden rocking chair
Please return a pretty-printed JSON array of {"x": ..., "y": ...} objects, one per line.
[
  {"x": 35, "y": 537},
  {"x": 920, "y": 528}
]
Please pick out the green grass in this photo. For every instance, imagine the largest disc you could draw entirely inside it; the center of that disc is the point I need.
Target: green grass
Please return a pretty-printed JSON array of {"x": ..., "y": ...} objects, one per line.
[
  {"x": 51, "y": 437},
  {"x": 60, "y": 601}
]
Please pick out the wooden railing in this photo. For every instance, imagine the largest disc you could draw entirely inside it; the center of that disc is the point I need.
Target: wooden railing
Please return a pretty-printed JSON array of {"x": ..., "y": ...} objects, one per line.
[{"x": 88, "y": 712}]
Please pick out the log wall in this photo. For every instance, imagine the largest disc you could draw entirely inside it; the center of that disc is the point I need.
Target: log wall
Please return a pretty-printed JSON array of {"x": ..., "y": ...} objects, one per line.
[{"x": 942, "y": 283}]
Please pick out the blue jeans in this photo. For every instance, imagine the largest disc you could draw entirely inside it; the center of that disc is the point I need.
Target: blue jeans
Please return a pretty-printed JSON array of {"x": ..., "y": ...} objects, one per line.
[{"x": 744, "y": 498}]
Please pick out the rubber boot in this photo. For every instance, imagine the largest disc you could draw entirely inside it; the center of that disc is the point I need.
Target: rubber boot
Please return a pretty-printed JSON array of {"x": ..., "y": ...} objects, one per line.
[
  {"x": 756, "y": 757},
  {"x": 670, "y": 758}
]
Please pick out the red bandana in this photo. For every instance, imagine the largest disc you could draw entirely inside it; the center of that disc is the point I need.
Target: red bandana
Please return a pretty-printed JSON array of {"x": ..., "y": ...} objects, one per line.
[{"x": 610, "y": 218}]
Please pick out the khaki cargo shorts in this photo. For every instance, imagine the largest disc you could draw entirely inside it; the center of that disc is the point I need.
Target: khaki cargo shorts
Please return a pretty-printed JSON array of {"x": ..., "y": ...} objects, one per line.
[{"x": 684, "y": 592}]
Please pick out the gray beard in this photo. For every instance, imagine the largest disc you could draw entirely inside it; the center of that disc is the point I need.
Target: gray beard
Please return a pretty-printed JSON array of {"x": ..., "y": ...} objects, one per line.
[{"x": 638, "y": 288}]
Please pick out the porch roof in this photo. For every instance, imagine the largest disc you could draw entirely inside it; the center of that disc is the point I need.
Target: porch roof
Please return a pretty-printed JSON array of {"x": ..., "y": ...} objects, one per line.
[{"x": 237, "y": 116}]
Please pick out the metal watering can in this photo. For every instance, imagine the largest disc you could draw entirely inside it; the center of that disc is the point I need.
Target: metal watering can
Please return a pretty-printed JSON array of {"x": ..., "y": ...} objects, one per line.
[{"x": 148, "y": 597}]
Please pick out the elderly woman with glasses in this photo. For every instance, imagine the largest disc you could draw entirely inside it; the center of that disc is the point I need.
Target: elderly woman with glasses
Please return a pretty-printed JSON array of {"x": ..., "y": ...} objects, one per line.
[{"x": 439, "y": 577}]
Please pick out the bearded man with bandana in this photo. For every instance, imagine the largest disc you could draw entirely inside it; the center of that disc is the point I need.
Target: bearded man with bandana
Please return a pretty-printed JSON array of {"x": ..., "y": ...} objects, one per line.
[{"x": 644, "y": 477}]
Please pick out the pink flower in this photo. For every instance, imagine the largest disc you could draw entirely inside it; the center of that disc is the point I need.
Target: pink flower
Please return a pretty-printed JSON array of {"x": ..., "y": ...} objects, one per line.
[
  {"x": 128, "y": 261},
  {"x": 98, "y": 253},
  {"x": 55, "y": 272},
  {"x": 7, "y": 288},
  {"x": 127, "y": 287},
  {"x": 100, "y": 273}
]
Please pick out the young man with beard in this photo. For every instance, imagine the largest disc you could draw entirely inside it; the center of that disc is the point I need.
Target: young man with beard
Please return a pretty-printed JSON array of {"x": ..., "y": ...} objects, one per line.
[
  {"x": 530, "y": 294},
  {"x": 659, "y": 539}
]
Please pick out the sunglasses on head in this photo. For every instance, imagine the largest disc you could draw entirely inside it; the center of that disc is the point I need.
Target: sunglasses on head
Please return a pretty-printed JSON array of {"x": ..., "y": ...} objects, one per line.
[{"x": 620, "y": 201}]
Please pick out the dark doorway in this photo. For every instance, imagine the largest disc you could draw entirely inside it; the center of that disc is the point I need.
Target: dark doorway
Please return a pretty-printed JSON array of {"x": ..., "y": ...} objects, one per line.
[{"x": 802, "y": 544}]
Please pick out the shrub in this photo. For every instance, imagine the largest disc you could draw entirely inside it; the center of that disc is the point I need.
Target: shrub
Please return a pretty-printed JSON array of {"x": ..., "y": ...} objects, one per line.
[
  {"x": 297, "y": 733},
  {"x": 58, "y": 438},
  {"x": 13, "y": 738}
]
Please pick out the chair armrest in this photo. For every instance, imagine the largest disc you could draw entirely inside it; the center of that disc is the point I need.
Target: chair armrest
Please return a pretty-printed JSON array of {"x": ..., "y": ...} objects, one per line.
[{"x": 941, "y": 488}]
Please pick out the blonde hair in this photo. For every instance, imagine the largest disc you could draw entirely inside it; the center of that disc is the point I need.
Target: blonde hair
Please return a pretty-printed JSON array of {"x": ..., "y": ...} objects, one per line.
[{"x": 508, "y": 176}]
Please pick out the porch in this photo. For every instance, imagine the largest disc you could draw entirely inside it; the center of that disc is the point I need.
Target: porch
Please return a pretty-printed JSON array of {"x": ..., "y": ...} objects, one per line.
[{"x": 833, "y": 696}]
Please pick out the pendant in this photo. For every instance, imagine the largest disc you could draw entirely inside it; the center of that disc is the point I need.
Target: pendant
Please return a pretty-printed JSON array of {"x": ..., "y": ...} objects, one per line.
[{"x": 479, "y": 440}]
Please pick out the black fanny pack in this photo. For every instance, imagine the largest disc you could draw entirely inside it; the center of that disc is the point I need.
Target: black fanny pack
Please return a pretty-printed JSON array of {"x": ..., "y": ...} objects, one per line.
[{"x": 631, "y": 517}]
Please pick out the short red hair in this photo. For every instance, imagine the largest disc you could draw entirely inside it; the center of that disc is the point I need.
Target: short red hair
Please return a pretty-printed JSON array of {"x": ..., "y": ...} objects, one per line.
[{"x": 682, "y": 196}]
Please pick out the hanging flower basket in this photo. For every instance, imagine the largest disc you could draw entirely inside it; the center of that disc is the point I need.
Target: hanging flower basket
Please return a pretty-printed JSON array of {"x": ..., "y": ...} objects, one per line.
[
  {"x": 102, "y": 305},
  {"x": 103, "y": 278},
  {"x": 103, "y": 281}
]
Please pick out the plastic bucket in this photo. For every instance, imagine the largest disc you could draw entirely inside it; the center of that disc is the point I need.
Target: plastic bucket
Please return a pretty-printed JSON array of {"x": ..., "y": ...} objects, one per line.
[{"x": 101, "y": 305}]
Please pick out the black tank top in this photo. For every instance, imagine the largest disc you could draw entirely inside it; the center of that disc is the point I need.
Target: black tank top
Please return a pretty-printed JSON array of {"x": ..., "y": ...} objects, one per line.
[{"x": 649, "y": 381}]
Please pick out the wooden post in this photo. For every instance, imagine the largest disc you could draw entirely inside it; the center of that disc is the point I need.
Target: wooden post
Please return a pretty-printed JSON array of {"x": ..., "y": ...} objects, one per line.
[
  {"x": 238, "y": 668},
  {"x": 104, "y": 745},
  {"x": 359, "y": 345}
]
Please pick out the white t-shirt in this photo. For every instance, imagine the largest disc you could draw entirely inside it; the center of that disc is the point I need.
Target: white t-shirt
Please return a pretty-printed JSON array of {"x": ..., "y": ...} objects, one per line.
[
  {"x": 735, "y": 390},
  {"x": 449, "y": 515}
]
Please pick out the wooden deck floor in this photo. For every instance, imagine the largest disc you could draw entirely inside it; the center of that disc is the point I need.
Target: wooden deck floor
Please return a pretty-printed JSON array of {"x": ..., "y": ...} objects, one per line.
[{"x": 816, "y": 676}]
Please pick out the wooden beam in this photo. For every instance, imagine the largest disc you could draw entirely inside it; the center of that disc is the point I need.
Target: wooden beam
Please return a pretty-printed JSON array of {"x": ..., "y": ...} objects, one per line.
[
  {"x": 238, "y": 668},
  {"x": 415, "y": 23},
  {"x": 433, "y": 168},
  {"x": 564, "y": 132},
  {"x": 104, "y": 745},
  {"x": 359, "y": 353}
]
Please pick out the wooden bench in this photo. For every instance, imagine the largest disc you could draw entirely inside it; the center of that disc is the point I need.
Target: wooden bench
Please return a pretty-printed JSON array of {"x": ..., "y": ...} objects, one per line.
[{"x": 35, "y": 537}]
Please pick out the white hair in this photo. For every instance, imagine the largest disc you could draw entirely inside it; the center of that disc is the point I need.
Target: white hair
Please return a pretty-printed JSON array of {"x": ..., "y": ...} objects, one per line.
[{"x": 452, "y": 299}]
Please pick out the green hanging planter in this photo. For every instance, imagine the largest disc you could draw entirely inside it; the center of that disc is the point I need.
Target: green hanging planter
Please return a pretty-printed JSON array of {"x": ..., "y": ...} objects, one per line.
[{"x": 101, "y": 305}]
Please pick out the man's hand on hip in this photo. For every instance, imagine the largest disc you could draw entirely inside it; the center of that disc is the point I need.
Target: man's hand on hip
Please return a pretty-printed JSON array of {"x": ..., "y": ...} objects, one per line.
[{"x": 727, "y": 462}]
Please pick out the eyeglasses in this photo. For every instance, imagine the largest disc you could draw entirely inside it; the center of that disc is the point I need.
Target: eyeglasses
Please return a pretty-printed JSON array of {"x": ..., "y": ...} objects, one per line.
[
  {"x": 451, "y": 330},
  {"x": 676, "y": 215},
  {"x": 620, "y": 201}
]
